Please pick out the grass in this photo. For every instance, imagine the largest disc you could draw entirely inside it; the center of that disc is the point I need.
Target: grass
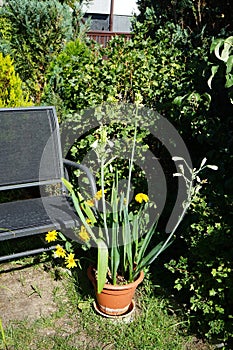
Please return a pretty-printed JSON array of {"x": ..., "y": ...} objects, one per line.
[{"x": 74, "y": 324}]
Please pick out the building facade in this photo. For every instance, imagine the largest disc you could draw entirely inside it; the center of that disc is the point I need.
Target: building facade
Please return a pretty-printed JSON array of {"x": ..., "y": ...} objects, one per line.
[{"x": 111, "y": 15}]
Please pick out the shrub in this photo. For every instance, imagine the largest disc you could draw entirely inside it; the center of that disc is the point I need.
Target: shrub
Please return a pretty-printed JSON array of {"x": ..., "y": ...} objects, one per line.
[
  {"x": 11, "y": 92},
  {"x": 204, "y": 271},
  {"x": 39, "y": 29},
  {"x": 5, "y": 35},
  {"x": 206, "y": 18},
  {"x": 73, "y": 77},
  {"x": 153, "y": 68}
]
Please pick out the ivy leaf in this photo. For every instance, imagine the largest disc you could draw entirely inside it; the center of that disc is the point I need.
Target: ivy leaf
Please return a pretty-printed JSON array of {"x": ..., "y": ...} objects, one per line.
[
  {"x": 229, "y": 80},
  {"x": 212, "y": 292},
  {"x": 178, "y": 100},
  {"x": 214, "y": 70},
  {"x": 229, "y": 64}
]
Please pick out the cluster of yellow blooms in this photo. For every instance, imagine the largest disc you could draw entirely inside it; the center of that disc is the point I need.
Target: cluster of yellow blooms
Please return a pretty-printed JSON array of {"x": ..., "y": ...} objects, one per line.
[{"x": 60, "y": 252}]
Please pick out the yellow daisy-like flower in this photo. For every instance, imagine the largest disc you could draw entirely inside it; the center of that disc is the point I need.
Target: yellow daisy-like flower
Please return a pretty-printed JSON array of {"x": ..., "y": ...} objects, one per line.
[
  {"x": 60, "y": 252},
  {"x": 70, "y": 261},
  {"x": 140, "y": 197},
  {"x": 51, "y": 236},
  {"x": 98, "y": 194},
  {"x": 83, "y": 234}
]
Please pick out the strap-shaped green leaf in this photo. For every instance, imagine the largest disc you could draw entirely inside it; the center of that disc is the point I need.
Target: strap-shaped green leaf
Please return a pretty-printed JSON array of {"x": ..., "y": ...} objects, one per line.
[
  {"x": 115, "y": 261},
  {"x": 115, "y": 254},
  {"x": 152, "y": 255},
  {"x": 82, "y": 217},
  {"x": 102, "y": 264},
  {"x": 146, "y": 242},
  {"x": 68, "y": 185}
]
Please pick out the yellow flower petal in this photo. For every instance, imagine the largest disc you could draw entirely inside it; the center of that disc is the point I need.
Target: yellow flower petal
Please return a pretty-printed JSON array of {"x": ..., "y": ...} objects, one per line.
[
  {"x": 88, "y": 221},
  {"x": 70, "y": 261},
  {"x": 90, "y": 202},
  {"x": 60, "y": 252},
  {"x": 51, "y": 236},
  {"x": 140, "y": 197},
  {"x": 98, "y": 194},
  {"x": 83, "y": 234}
]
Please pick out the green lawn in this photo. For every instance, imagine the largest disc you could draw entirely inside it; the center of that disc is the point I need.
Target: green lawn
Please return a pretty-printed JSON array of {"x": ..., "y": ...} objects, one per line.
[{"x": 72, "y": 323}]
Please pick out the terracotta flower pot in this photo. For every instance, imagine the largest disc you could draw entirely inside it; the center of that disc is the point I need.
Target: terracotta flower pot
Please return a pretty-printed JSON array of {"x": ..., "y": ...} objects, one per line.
[{"x": 115, "y": 300}]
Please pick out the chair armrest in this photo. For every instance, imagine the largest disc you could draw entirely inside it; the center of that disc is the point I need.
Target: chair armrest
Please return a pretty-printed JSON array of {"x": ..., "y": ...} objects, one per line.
[{"x": 86, "y": 170}]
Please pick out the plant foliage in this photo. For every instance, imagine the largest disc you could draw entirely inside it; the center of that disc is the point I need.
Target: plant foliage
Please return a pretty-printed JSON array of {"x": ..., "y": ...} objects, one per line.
[
  {"x": 11, "y": 86},
  {"x": 38, "y": 31}
]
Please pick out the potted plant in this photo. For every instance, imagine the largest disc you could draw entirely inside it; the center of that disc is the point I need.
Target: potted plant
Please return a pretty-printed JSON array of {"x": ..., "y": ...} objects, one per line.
[{"x": 122, "y": 248}]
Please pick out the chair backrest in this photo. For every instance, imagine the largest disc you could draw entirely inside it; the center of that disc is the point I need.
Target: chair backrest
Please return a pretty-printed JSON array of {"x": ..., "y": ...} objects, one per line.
[{"x": 30, "y": 150}]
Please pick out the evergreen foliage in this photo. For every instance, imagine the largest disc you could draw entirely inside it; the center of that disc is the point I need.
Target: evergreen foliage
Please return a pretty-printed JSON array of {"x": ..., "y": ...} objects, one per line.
[
  {"x": 11, "y": 92},
  {"x": 38, "y": 31}
]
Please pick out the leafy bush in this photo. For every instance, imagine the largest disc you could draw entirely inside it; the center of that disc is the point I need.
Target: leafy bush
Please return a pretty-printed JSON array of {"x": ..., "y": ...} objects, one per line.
[
  {"x": 73, "y": 77},
  {"x": 5, "y": 35},
  {"x": 223, "y": 50},
  {"x": 204, "y": 271},
  {"x": 154, "y": 69},
  {"x": 204, "y": 268},
  {"x": 145, "y": 66},
  {"x": 11, "y": 91},
  {"x": 38, "y": 31},
  {"x": 201, "y": 18},
  {"x": 79, "y": 78}
]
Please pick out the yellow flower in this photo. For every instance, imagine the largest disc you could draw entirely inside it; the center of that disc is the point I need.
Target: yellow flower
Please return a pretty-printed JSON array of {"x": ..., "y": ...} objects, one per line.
[
  {"x": 90, "y": 202},
  {"x": 70, "y": 261},
  {"x": 60, "y": 252},
  {"x": 98, "y": 194},
  {"x": 83, "y": 234},
  {"x": 88, "y": 221},
  {"x": 140, "y": 197},
  {"x": 51, "y": 236}
]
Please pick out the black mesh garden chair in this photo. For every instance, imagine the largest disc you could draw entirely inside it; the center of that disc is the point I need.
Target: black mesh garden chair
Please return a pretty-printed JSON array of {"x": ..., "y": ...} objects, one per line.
[{"x": 31, "y": 158}]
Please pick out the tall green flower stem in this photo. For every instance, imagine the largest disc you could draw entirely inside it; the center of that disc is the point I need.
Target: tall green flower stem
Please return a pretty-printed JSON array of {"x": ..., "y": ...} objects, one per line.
[
  {"x": 132, "y": 158},
  {"x": 102, "y": 165},
  {"x": 193, "y": 186},
  {"x": 126, "y": 225}
]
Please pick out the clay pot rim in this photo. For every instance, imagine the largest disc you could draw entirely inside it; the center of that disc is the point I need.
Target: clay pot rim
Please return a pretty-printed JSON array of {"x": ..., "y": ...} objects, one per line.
[
  {"x": 117, "y": 318},
  {"x": 117, "y": 287}
]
